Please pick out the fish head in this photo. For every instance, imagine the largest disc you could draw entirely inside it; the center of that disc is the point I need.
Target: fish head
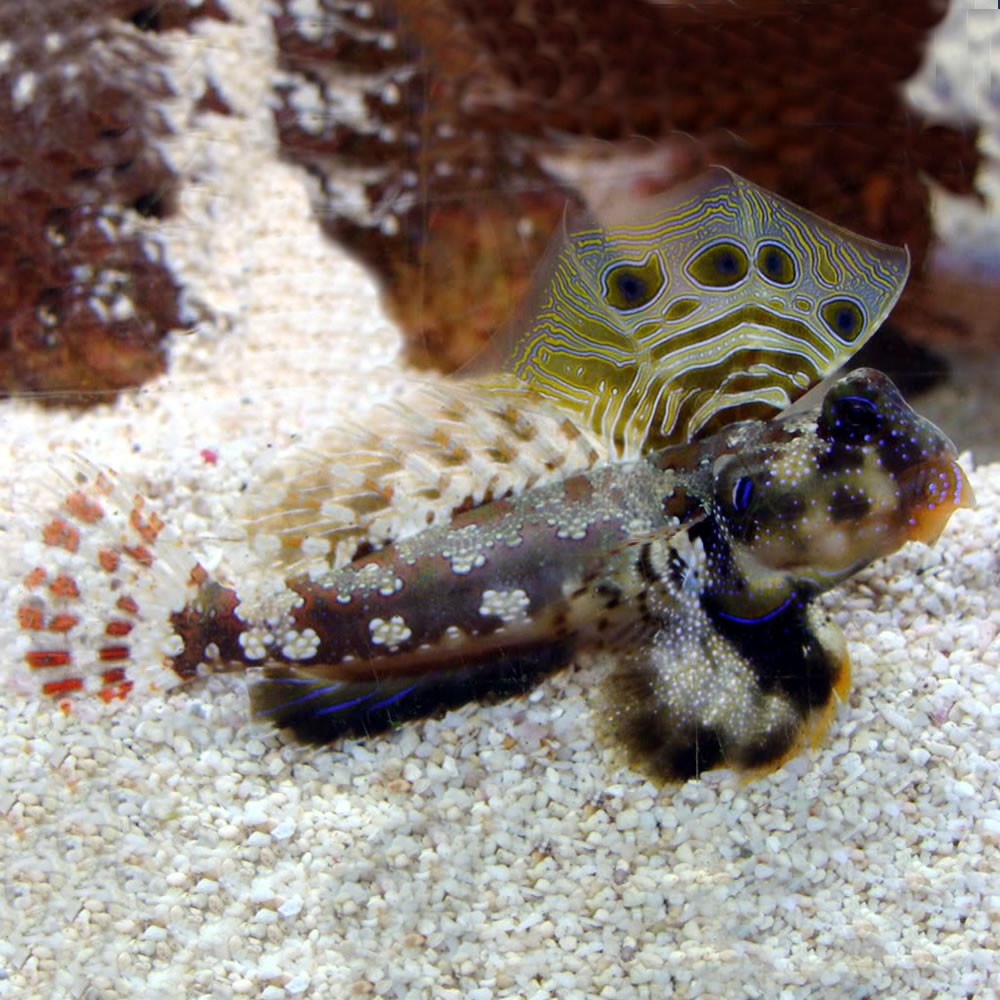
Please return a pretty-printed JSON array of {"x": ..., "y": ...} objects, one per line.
[{"x": 805, "y": 501}]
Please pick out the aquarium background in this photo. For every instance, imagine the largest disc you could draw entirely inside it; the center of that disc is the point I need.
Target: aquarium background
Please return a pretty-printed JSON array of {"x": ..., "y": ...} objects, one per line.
[{"x": 158, "y": 164}]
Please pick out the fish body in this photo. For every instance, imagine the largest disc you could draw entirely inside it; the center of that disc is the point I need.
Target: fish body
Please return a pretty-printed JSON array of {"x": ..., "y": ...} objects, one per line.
[
  {"x": 693, "y": 566},
  {"x": 484, "y": 605},
  {"x": 612, "y": 475}
]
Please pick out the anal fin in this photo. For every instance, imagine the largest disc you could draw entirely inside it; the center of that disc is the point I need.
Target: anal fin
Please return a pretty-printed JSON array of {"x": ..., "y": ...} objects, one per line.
[{"x": 322, "y": 704}]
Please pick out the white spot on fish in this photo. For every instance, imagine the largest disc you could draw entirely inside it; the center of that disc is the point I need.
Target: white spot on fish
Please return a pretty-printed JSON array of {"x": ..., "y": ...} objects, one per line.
[
  {"x": 254, "y": 642},
  {"x": 574, "y": 530},
  {"x": 465, "y": 550},
  {"x": 299, "y": 645},
  {"x": 173, "y": 645},
  {"x": 391, "y": 632},
  {"x": 507, "y": 605}
]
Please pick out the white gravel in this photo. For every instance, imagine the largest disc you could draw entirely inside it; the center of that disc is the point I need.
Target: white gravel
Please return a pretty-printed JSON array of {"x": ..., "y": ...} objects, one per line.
[{"x": 169, "y": 849}]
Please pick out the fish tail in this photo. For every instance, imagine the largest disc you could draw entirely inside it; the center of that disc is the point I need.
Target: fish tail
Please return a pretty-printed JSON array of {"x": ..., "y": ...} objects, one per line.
[{"x": 102, "y": 579}]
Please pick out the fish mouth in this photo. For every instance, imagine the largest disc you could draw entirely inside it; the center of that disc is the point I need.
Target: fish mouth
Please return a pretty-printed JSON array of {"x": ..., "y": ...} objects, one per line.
[{"x": 930, "y": 492}]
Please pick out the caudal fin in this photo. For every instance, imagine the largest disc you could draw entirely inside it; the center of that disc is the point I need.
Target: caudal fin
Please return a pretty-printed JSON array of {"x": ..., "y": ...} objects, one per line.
[{"x": 93, "y": 608}]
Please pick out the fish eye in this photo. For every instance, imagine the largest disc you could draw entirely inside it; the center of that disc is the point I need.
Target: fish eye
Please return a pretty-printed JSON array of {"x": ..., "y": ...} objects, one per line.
[
  {"x": 630, "y": 286},
  {"x": 843, "y": 318},
  {"x": 858, "y": 416},
  {"x": 776, "y": 264},
  {"x": 743, "y": 493},
  {"x": 722, "y": 265}
]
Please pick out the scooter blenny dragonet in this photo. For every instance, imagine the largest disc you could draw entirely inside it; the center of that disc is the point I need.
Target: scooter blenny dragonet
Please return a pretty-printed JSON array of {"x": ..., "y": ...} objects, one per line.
[{"x": 617, "y": 474}]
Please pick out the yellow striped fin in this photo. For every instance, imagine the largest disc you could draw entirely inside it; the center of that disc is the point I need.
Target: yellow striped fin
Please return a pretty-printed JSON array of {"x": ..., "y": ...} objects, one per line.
[{"x": 671, "y": 316}]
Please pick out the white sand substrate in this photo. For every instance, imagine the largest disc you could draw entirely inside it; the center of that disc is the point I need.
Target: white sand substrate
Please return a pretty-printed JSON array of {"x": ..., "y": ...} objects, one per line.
[{"x": 171, "y": 849}]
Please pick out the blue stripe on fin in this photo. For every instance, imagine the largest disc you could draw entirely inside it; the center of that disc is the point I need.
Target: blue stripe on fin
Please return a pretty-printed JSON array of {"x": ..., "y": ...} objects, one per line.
[
  {"x": 392, "y": 699},
  {"x": 319, "y": 708},
  {"x": 315, "y": 692}
]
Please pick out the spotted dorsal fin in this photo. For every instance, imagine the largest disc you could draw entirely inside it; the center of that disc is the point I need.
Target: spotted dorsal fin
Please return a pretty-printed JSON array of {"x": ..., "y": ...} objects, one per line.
[{"x": 668, "y": 317}]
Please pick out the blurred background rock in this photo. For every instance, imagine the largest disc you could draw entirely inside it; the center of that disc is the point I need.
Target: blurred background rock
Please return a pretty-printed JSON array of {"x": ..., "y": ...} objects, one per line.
[{"x": 442, "y": 140}]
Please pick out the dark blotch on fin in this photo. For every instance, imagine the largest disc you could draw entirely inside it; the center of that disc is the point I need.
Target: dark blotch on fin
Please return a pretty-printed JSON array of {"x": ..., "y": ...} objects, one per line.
[
  {"x": 320, "y": 708},
  {"x": 652, "y": 738},
  {"x": 784, "y": 653},
  {"x": 797, "y": 670},
  {"x": 848, "y": 503}
]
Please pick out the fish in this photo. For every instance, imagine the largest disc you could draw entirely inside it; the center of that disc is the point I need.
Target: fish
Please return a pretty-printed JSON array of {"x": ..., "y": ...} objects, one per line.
[
  {"x": 694, "y": 567},
  {"x": 616, "y": 475}
]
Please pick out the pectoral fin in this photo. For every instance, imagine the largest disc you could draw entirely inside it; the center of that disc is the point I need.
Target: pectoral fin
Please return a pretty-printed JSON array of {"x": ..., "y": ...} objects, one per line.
[{"x": 712, "y": 691}]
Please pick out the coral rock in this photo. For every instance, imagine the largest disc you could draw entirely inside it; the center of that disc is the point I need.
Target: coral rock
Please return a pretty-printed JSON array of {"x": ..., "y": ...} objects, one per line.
[
  {"x": 457, "y": 108},
  {"x": 85, "y": 295}
]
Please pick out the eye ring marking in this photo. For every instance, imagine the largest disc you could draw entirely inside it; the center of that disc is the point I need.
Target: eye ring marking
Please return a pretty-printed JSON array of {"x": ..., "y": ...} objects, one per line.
[
  {"x": 776, "y": 265},
  {"x": 857, "y": 412},
  {"x": 721, "y": 265},
  {"x": 628, "y": 285},
  {"x": 844, "y": 318}
]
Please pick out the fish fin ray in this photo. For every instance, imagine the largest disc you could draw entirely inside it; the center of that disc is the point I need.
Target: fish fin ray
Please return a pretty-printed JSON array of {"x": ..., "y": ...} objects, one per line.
[
  {"x": 101, "y": 578},
  {"x": 320, "y": 708}
]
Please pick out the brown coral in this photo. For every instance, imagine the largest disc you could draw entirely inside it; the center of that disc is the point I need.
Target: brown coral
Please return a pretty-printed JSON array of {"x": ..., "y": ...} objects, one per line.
[
  {"x": 85, "y": 296},
  {"x": 445, "y": 184}
]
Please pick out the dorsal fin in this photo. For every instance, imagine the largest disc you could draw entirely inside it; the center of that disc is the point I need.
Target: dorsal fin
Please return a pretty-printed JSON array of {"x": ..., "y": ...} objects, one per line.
[{"x": 666, "y": 317}]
